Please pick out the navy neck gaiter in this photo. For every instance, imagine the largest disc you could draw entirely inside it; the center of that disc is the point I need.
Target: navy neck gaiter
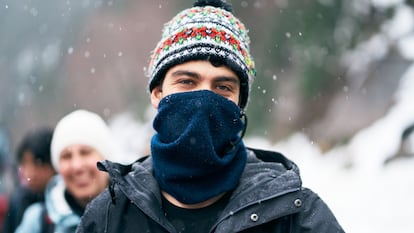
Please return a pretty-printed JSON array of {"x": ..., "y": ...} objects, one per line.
[{"x": 197, "y": 152}]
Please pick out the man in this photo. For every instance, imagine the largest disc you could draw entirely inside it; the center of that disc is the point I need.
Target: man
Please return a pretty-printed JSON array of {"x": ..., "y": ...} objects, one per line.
[{"x": 200, "y": 177}]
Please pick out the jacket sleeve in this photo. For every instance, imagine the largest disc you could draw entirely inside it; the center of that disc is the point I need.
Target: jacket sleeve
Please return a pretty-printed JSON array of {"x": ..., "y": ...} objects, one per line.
[
  {"x": 31, "y": 221},
  {"x": 316, "y": 216},
  {"x": 94, "y": 219}
]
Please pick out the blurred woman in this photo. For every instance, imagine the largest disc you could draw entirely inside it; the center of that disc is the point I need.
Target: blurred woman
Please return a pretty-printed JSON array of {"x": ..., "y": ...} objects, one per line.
[{"x": 80, "y": 140}]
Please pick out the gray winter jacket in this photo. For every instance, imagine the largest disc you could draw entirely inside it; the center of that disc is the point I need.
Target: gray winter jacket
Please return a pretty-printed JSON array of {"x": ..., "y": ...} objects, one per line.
[{"x": 269, "y": 198}]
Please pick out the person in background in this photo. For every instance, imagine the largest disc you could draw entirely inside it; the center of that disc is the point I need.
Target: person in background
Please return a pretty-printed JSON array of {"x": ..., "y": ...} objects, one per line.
[
  {"x": 35, "y": 170},
  {"x": 80, "y": 140},
  {"x": 200, "y": 176}
]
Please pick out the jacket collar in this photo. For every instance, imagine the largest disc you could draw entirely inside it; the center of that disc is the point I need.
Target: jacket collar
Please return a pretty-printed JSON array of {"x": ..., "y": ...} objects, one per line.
[{"x": 267, "y": 175}]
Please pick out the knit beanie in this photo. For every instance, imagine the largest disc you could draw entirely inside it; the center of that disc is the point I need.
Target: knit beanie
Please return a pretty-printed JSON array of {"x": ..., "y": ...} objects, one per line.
[
  {"x": 81, "y": 127},
  {"x": 206, "y": 31}
]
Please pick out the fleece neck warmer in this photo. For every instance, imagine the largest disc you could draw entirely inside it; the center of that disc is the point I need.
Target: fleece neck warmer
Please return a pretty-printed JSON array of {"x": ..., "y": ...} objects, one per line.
[{"x": 197, "y": 152}]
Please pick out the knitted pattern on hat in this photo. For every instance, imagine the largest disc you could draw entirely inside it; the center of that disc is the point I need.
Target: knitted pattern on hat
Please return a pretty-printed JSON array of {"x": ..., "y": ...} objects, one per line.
[{"x": 204, "y": 32}]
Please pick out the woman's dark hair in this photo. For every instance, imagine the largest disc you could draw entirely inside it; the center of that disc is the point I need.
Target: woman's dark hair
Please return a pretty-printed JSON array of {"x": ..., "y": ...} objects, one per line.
[{"x": 38, "y": 143}]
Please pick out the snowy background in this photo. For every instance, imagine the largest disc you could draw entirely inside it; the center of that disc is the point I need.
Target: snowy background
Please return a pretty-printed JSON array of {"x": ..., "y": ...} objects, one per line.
[
  {"x": 368, "y": 196},
  {"x": 365, "y": 193}
]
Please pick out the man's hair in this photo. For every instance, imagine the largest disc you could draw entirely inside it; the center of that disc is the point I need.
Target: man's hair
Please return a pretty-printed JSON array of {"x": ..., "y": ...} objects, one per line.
[{"x": 38, "y": 143}]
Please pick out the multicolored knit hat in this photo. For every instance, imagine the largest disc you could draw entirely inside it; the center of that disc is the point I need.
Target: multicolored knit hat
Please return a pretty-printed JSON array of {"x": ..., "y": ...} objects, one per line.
[{"x": 206, "y": 31}]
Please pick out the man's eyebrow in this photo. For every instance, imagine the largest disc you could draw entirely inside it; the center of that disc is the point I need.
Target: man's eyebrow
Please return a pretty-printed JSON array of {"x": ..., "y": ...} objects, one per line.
[
  {"x": 227, "y": 79},
  {"x": 186, "y": 73},
  {"x": 197, "y": 76}
]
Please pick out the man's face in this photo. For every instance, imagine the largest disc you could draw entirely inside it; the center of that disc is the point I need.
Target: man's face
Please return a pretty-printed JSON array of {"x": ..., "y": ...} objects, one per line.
[{"x": 198, "y": 75}]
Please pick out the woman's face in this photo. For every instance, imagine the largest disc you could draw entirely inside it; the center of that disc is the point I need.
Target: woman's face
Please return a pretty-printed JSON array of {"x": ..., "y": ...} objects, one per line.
[{"x": 77, "y": 166}]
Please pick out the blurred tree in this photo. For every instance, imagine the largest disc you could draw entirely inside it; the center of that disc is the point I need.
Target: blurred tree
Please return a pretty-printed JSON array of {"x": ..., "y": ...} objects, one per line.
[
  {"x": 299, "y": 48},
  {"x": 296, "y": 51}
]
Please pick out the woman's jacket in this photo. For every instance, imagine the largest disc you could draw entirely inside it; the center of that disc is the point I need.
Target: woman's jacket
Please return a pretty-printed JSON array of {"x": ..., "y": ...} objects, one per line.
[{"x": 55, "y": 215}]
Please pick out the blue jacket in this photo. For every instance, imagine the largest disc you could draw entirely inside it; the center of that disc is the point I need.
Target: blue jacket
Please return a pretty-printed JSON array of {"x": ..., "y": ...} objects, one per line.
[
  {"x": 269, "y": 198},
  {"x": 63, "y": 219}
]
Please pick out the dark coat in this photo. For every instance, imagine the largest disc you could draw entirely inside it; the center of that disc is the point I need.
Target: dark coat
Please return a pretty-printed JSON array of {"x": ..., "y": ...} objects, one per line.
[{"x": 269, "y": 198}]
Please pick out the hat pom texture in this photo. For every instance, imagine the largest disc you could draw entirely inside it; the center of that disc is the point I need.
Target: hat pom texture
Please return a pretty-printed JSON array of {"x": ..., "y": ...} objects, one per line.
[
  {"x": 81, "y": 127},
  {"x": 209, "y": 29}
]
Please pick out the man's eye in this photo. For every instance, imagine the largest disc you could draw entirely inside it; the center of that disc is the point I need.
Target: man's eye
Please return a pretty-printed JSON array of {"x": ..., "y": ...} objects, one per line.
[
  {"x": 186, "y": 81},
  {"x": 224, "y": 88}
]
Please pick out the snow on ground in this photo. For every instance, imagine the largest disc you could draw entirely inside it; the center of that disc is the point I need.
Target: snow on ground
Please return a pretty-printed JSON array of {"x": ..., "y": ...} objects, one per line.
[{"x": 363, "y": 201}]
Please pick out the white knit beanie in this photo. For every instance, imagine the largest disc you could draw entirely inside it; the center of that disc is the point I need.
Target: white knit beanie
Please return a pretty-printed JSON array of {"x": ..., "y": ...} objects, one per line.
[{"x": 81, "y": 127}]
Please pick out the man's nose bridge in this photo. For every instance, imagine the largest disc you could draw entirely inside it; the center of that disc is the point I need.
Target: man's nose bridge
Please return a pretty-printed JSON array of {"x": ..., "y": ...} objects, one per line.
[{"x": 206, "y": 86}]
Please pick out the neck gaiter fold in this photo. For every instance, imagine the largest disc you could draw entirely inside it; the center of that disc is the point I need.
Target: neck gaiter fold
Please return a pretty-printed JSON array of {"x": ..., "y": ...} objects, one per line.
[{"x": 197, "y": 152}]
